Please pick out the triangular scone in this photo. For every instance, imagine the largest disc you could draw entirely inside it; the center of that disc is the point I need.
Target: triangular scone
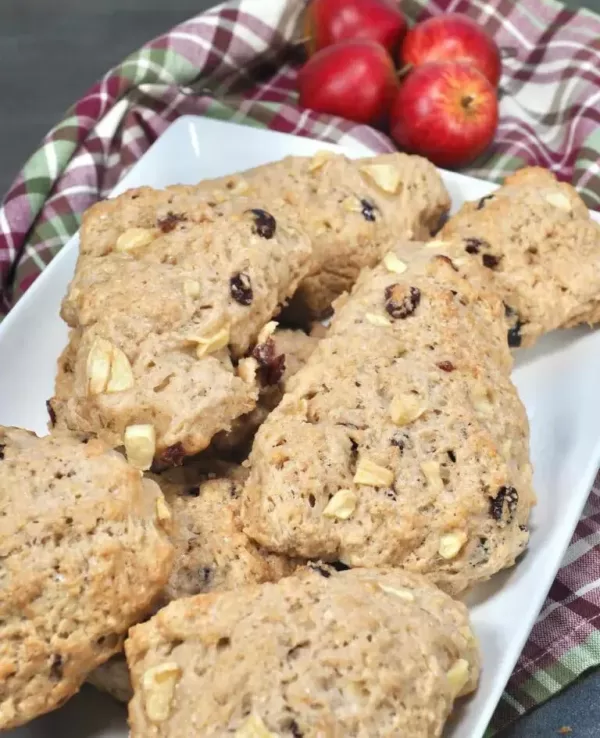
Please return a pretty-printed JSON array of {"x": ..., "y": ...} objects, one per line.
[
  {"x": 402, "y": 442},
  {"x": 537, "y": 239}
]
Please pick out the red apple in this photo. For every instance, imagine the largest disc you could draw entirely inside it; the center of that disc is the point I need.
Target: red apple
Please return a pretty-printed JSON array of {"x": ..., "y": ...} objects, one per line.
[
  {"x": 353, "y": 79},
  {"x": 328, "y": 22},
  {"x": 452, "y": 37},
  {"x": 445, "y": 111}
]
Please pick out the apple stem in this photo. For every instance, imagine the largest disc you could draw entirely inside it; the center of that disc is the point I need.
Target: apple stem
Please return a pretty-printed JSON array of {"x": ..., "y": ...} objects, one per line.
[
  {"x": 466, "y": 101},
  {"x": 403, "y": 71}
]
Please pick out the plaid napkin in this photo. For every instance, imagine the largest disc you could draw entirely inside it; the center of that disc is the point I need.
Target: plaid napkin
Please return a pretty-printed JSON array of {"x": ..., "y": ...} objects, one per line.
[{"x": 238, "y": 62}]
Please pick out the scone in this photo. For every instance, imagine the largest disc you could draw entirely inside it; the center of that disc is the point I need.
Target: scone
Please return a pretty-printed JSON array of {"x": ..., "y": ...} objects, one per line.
[
  {"x": 295, "y": 347},
  {"x": 83, "y": 556},
  {"x": 168, "y": 295},
  {"x": 212, "y": 553},
  {"x": 402, "y": 442},
  {"x": 537, "y": 239},
  {"x": 349, "y": 208},
  {"x": 362, "y": 653}
]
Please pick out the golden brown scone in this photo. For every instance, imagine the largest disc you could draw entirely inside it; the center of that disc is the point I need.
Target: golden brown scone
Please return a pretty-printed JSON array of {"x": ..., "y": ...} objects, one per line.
[
  {"x": 360, "y": 653},
  {"x": 537, "y": 239},
  {"x": 83, "y": 554},
  {"x": 402, "y": 442},
  {"x": 349, "y": 208},
  {"x": 168, "y": 294},
  {"x": 295, "y": 346},
  {"x": 212, "y": 553}
]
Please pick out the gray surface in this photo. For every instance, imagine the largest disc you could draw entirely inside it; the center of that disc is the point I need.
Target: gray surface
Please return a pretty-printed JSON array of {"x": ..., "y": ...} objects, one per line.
[{"x": 52, "y": 51}]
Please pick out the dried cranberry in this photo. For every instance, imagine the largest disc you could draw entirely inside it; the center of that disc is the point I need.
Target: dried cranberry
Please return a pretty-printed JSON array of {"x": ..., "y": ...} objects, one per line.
[
  {"x": 368, "y": 210},
  {"x": 174, "y": 455},
  {"x": 51, "y": 413},
  {"x": 401, "y": 301},
  {"x": 271, "y": 366},
  {"x": 170, "y": 221},
  {"x": 240, "y": 288},
  {"x": 474, "y": 245},
  {"x": 446, "y": 366},
  {"x": 481, "y": 203},
  {"x": 490, "y": 261},
  {"x": 264, "y": 223},
  {"x": 508, "y": 495}
]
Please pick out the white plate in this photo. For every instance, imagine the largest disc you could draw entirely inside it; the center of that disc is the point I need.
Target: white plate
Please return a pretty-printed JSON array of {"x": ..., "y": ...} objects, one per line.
[{"x": 557, "y": 381}]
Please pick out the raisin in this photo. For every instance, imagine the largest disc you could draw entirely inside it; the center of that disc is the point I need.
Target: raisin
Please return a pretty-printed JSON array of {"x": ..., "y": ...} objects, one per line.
[
  {"x": 2, "y": 447},
  {"x": 508, "y": 495},
  {"x": 240, "y": 288},
  {"x": 446, "y": 366},
  {"x": 270, "y": 365},
  {"x": 524, "y": 528},
  {"x": 481, "y": 203},
  {"x": 451, "y": 456},
  {"x": 473, "y": 245},
  {"x": 401, "y": 302},
  {"x": 173, "y": 455},
  {"x": 368, "y": 210},
  {"x": 56, "y": 668},
  {"x": 295, "y": 730},
  {"x": 399, "y": 441},
  {"x": 193, "y": 491},
  {"x": 264, "y": 223},
  {"x": 170, "y": 221},
  {"x": 514, "y": 332},
  {"x": 490, "y": 261},
  {"x": 339, "y": 566},
  {"x": 51, "y": 413},
  {"x": 514, "y": 335}
]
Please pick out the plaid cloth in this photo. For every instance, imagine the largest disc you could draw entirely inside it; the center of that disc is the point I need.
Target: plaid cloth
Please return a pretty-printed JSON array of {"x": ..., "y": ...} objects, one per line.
[{"x": 238, "y": 62}]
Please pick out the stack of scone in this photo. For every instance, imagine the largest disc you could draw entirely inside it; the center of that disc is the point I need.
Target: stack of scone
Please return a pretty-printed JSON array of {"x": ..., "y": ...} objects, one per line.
[{"x": 283, "y": 513}]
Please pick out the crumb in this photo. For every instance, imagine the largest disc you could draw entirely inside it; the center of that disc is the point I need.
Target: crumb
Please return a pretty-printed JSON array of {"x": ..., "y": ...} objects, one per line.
[{"x": 565, "y": 730}]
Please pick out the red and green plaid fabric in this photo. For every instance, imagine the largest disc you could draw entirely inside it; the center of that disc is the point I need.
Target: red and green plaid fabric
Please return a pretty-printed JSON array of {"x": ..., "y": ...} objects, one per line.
[{"x": 238, "y": 62}]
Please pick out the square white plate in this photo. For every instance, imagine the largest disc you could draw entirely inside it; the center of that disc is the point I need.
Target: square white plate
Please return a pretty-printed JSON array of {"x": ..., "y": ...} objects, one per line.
[{"x": 557, "y": 381}]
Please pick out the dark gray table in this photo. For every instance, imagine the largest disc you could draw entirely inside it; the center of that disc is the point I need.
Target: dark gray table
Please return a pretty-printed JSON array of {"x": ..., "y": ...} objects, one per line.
[{"x": 52, "y": 51}]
